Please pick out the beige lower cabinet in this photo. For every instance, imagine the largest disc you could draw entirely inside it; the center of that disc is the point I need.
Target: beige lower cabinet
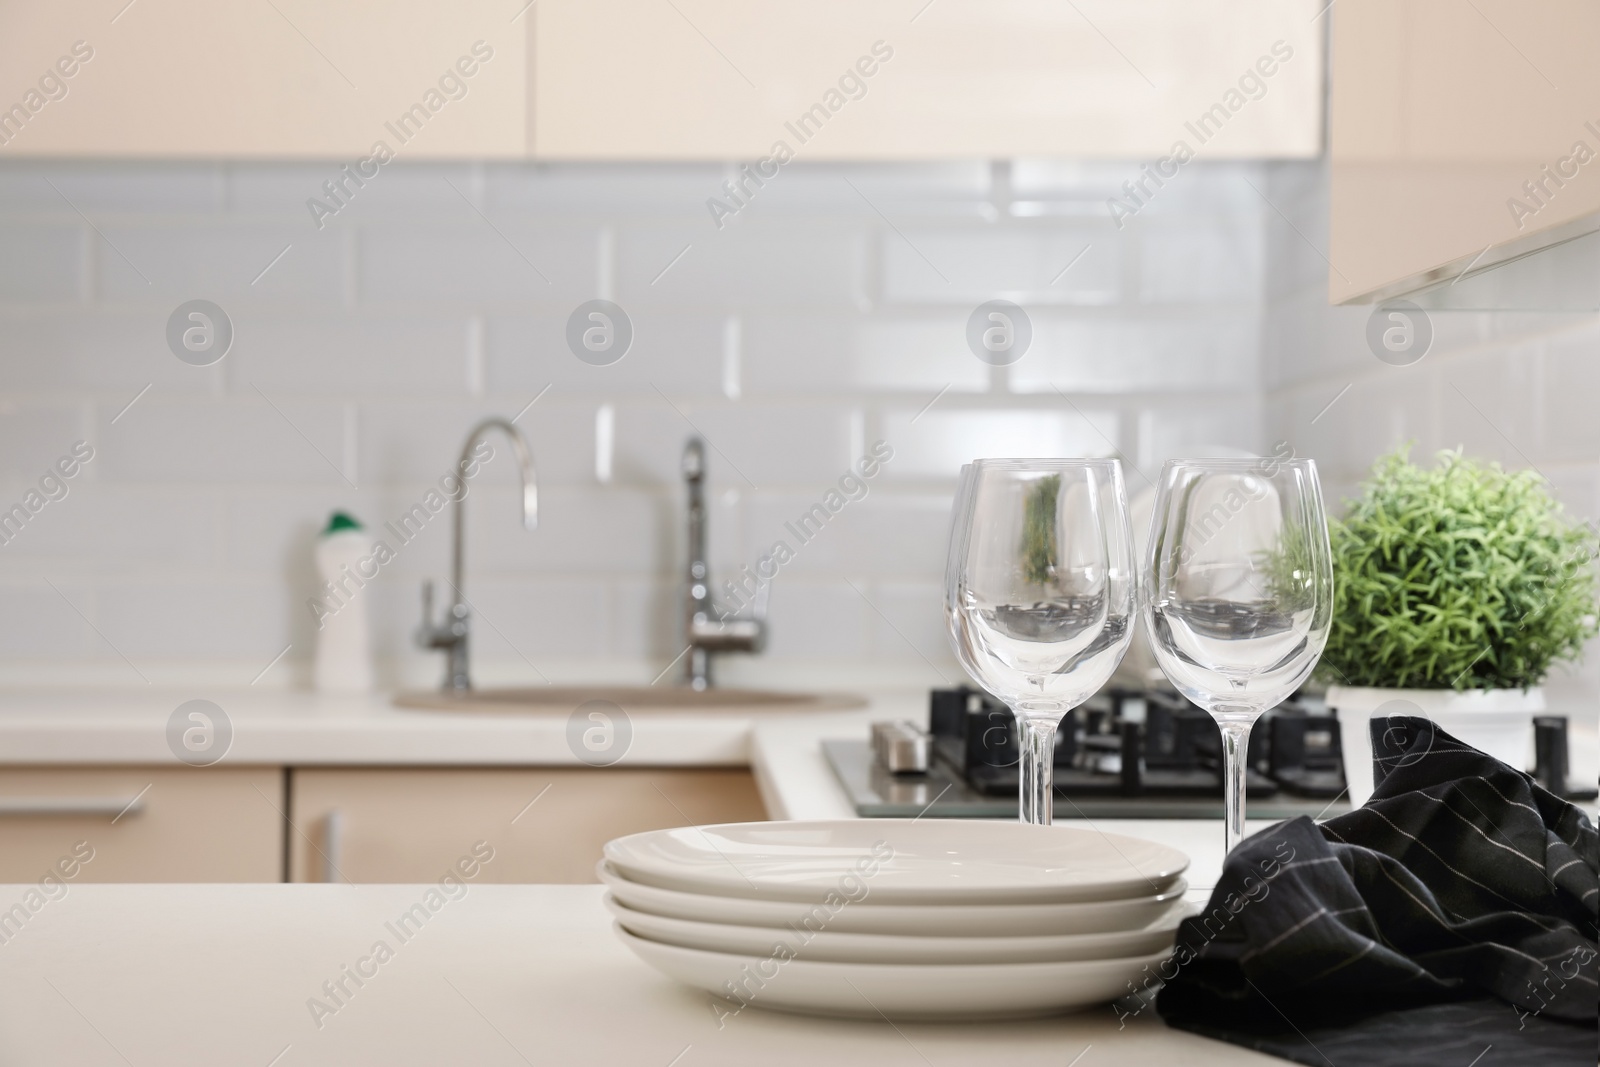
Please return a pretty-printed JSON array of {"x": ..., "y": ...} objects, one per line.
[
  {"x": 542, "y": 825},
  {"x": 140, "y": 824}
]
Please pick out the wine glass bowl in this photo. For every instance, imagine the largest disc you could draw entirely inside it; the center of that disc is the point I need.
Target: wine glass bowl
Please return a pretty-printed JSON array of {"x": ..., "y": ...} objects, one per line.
[
  {"x": 1237, "y": 592},
  {"x": 1040, "y": 593}
]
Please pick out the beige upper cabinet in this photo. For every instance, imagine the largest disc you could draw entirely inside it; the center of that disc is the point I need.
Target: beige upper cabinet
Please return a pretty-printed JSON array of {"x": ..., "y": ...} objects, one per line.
[
  {"x": 263, "y": 78},
  {"x": 914, "y": 79},
  {"x": 1463, "y": 135},
  {"x": 662, "y": 79}
]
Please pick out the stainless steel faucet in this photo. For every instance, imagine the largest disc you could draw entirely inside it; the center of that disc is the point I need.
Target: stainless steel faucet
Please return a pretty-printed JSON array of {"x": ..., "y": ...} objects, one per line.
[
  {"x": 707, "y": 629},
  {"x": 450, "y": 633}
]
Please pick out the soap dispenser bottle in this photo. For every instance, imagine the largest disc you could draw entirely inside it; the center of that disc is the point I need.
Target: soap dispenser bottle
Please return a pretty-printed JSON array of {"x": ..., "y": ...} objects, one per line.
[{"x": 344, "y": 650}]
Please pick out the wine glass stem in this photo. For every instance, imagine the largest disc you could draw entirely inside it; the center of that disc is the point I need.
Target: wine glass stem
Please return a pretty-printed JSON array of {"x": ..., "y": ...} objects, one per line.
[
  {"x": 1235, "y": 748},
  {"x": 1038, "y": 740}
]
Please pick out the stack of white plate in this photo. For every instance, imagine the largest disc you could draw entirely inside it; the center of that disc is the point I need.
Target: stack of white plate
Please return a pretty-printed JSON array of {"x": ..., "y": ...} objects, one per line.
[{"x": 922, "y": 918}]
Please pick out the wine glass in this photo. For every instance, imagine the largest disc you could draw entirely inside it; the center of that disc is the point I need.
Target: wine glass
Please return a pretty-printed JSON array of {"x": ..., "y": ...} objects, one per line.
[
  {"x": 1237, "y": 593},
  {"x": 1039, "y": 594}
]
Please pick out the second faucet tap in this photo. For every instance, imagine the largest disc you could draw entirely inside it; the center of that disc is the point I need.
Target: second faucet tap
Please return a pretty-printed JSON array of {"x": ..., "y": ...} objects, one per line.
[{"x": 705, "y": 628}]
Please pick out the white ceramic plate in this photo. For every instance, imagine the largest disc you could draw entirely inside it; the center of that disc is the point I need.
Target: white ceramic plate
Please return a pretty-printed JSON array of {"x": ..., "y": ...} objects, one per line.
[
  {"x": 900, "y": 861},
  {"x": 937, "y": 920},
  {"x": 833, "y": 947},
  {"x": 896, "y": 990}
]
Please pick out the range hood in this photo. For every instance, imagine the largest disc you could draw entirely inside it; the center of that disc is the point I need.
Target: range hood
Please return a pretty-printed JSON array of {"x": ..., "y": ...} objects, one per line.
[{"x": 1465, "y": 154}]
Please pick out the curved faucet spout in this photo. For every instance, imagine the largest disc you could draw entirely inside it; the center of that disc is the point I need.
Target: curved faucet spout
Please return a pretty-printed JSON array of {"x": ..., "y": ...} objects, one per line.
[
  {"x": 451, "y": 634},
  {"x": 530, "y": 488}
]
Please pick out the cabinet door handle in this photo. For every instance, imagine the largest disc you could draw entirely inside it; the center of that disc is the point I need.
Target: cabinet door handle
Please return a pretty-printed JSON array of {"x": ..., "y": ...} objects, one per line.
[
  {"x": 111, "y": 807},
  {"x": 332, "y": 839}
]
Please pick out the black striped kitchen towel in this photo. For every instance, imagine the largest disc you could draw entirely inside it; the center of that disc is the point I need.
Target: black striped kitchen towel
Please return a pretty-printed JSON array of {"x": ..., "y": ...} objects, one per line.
[{"x": 1453, "y": 916}]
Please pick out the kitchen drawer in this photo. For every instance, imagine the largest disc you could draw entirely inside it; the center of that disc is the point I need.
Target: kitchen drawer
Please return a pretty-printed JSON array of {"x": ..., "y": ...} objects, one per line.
[
  {"x": 188, "y": 824},
  {"x": 545, "y": 825}
]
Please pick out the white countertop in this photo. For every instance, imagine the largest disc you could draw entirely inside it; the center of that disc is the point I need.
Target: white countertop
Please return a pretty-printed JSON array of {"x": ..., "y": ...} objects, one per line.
[
  {"x": 296, "y": 728},
  {"x": 204, "y": 975}
]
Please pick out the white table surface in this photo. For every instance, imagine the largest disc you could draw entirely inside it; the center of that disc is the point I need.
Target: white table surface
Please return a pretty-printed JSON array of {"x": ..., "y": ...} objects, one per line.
[{"x": 212, "y": 975}]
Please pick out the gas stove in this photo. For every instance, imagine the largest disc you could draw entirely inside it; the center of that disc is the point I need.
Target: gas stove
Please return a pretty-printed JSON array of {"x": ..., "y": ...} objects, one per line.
[{"x": 1123, "y": 754}]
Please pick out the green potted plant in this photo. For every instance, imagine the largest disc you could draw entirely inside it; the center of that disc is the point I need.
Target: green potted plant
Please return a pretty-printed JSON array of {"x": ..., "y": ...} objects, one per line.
[{"x": 1456, "y": 588}]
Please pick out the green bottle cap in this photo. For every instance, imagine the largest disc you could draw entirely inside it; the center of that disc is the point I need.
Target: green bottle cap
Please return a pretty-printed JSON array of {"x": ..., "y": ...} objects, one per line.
[{"x": 340, "y": 521}]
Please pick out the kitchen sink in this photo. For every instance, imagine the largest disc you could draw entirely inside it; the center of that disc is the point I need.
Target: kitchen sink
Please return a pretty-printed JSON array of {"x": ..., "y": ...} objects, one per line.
[{"x": 633, "y": 699}]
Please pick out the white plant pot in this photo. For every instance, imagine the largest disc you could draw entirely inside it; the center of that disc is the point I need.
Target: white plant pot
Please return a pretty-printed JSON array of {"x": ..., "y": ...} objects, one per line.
[{"x": 1498, "y": 722}]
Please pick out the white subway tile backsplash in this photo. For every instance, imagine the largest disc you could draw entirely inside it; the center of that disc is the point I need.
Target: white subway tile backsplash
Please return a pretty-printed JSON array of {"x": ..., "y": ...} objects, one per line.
[
  {"x": 1509, "y": 327},
  {"x": 1489, "y": 404},
  {"x": 194, "y": 618},
  {"x": 105, "y": 529},
  {"x": 1578, "y": 489},
  {"x": 1294, "y": 351},
  {"x": 1169, "y": 351},
  {"x": 1297, "y": 246},
  {"x": 279, "y": 191},
  {"x": 1297, "y": 189},
  {"x": 750, "y": 263},
  {"x": 41, "y": 623},
  {"x": 24, "y": 194},
  {"x": 1199, "y": 187},
  {"x": 903, "y": 534},
  {"x": 748, "y": 446},
  {"x": 877, "y": 352},
  {"x": 862, "y": 531},
  {"x": 1205, "y": 262},
  {"x": 1571, "y": 394},
  {"x": 34, "y": 436},
  {"x": 878, "y": 534},
  {"x": 538, "y": 621},
  {"x": 1345, "y": 433},
  {"x": 818, "y": 620},
  {"x": 906, "y": 625},
  {"x": 647, "y": 623},
  {"x": 671, "y": 351},
  {"x": 807, "y": 326},
  {"x": 1025, "y": 263},
  {"x": 360, "y": 354},
  {"x": 1178, "y": 431},
  {"x": 110, "y": 354},
  {"x": 413, "y": 190},
  {"x": 123, "y": 187},
  {"x": 673, "y": 190},
  {"x": 900, "y": 191},
  {"x": 415, "y": 442},
  {"x": 254, "y": 438},
  {"x": 589, "y": 531},
  {"x": 1063, "y": 177},
  {"x": 481, "y": 263},
  {"x": 820, "y": 547},
  {"x": 934, "y": 444},
  {"x": 168, "y": 264},
  {"x": 273, "y": 529},
  {"x": 40, "y": 263}
]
